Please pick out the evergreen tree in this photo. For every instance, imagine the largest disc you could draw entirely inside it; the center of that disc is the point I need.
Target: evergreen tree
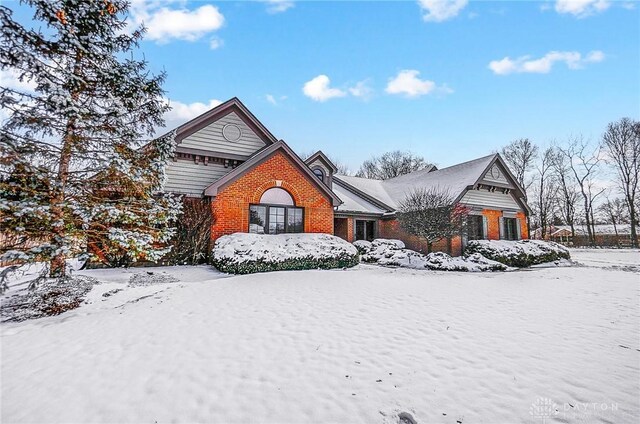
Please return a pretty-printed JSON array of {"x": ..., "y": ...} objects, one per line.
[{"x": 74, "y": 162}]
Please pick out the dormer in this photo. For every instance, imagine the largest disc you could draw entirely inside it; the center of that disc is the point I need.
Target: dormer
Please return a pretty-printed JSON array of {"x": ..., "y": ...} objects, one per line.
[{"x": 322, "y": 167}]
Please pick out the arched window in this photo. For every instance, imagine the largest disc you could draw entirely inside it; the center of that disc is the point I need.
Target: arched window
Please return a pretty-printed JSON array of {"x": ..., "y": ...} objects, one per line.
[
  {"x": 276, "y": 213},
  {"x": 277, "y": 196},
  {"x": 319, "y": 173}
]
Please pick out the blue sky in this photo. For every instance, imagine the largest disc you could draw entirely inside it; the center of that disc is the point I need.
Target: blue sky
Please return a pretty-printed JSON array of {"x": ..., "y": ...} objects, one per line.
[{"x": 449, "y": 80}]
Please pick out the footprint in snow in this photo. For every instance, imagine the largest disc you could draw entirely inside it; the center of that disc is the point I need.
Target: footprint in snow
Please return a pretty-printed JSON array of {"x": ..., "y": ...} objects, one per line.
[{"x": 406, "y": 418}]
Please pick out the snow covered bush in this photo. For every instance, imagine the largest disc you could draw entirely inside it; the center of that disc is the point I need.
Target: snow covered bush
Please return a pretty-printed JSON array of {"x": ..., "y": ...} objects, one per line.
[
  {"x": 392, "y": 253},
  {"x": 52, "y": 296},
  {"x": 243, "y": 253},
  {"x": 522, "y": 253}
]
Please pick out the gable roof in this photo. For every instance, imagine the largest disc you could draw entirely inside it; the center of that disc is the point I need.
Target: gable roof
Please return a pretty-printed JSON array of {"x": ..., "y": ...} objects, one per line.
[
  {"x": 259, "y": 157},
  {"x": 320, "y": 155},
  {"x": 232, "y": 105},
  {"x": 456, "y": 179}
]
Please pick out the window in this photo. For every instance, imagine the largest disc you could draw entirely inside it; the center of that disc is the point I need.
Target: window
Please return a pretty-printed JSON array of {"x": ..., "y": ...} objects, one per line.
[
  {"x": 273, "y": 219},
  {"x": 365, "y": 230},
  {"x": 276, "y": 220},
  {"x": 510, "y": 228},
  {"x": 276, "y": 196},
  {"x": 319, "y": 173},
  {"x": 276, "y": 214},
  {"x": 257, "y": 219},
  {"x": 295, "y": 222},
  {"x": 475, "y": 227}
]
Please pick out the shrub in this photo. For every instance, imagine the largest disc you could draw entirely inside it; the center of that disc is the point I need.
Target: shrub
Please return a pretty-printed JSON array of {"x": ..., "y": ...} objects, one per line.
[
  {"x": 190, "y": 245},
  {"x": 243, "y": 253},
  {"x": 522, "y": 253},
  {"x": 392, "y": 253}
]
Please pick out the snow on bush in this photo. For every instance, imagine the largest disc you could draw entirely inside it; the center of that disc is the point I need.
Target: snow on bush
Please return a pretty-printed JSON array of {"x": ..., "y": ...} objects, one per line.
[
  {"x": 244, "y": 253},
  {"x": 49, "y": 297},
  {"x": 522, "y": 253},
  {"x": 392, "y": 253}
]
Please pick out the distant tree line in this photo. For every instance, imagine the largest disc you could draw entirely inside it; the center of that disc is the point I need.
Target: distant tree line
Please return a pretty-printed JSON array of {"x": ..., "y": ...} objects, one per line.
[{"x": 569, "y": 182}]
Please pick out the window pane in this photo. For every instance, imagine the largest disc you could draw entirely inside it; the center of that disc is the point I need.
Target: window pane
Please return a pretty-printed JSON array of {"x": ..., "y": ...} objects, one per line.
[
  {"x": 510, "y": 230},
  {"x": 360, "y": 231},
  {"x": 277, "y": 196},
  {"x": 369, "y": 230},
  {"x": 276, "y": 220},
  {"x": 295, "y": 223},
  {"x": 475, "y": 229},
  {"x": 319, "y": 173},
  {"x": 257, "y": 219}
]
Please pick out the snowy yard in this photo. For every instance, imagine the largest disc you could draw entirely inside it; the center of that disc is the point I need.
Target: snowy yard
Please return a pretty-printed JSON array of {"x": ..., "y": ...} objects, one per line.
[{"x": 360, "y": 346}]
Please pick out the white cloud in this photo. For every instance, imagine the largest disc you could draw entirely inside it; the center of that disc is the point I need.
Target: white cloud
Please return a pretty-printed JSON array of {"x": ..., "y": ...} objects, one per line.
[
  {"x": 10, "y": 78},
  {"x": 275, "y": 100},
  {"x": 362, "y": 90},
  {"x": 441, "y": 10},
  {"x": 271, "y": 99},
  {"x": 183, "y": 112},
  {"x": 278, "y": 6},
  {"x": 543, "y": 65},
  {"x": 319, "y": 89},
  {"x": 164, "y": 24},
  {"x": 581, "y": 8},
  {"x": 216, "y": 43},
  {"x": 408, "y": 84}
]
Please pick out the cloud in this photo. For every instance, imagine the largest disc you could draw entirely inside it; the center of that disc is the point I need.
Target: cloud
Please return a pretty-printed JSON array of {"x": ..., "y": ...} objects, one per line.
[
  {"x": 318, "y": 89},
  {"x": 216, "y": 43},
  {"x": 183, "y": 112},
  {"x": 362, "y": 90},
  {"x": 275, "y": 100},
  {"x": 271, "y": 99},
  {"x": 165, "y": 24},
  {"x": 278, "y": 6},
  {"x": 408, "y": 84},
  {"x": 10, "y": 78},
  {"x": 581, "y": 8},
  {"x": 441, "y": 10},
  {"x": 543, "y": 65}
]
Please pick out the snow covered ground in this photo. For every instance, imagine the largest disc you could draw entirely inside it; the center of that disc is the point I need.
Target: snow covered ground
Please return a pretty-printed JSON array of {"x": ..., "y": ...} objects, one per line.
[{"x": 363, "y": 345}]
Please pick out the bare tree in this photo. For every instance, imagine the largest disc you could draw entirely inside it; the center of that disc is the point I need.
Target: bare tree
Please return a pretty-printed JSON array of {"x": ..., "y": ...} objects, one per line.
[
  {"x": 584, "y": 162},
  {"x": 567, "y": 194},
  {"x": 614, "y": 212},
  {"x": 621, "y": 142},
  {"x": 392, "y": 164},
  {"x": 521, "y": 155},
  {"x": 545, "y": 191},
  {"x": 432, "y": 215}
]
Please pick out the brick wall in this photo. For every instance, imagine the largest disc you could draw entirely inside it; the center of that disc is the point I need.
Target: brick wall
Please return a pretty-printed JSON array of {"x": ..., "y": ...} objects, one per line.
[
  {"x": 392, "y": 229},
  {"x": 493, "y": 223},
  {"x": 524, "y": 229},
  {"x": 231, "y": 206}
]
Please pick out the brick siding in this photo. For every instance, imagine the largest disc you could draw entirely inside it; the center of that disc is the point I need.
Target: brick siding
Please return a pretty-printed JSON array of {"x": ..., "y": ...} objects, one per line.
[{"x": 231, "y": 206}]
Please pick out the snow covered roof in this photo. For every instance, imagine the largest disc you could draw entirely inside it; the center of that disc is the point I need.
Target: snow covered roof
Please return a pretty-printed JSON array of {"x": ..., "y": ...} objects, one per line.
[
  {"x": 354, "y": 203},
  {"x": 600, "y": 229},
  {"x": 454, "y": 179}
]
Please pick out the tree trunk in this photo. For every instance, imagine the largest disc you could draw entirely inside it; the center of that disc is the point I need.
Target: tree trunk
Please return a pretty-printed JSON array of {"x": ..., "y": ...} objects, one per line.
[
  {"x": 633, "y": 219},
  {"x": 58, "y": 266}
]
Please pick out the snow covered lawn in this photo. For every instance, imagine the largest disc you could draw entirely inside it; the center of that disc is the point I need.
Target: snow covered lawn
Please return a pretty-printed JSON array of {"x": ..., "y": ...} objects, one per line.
[{"x": 360, "y": 345}]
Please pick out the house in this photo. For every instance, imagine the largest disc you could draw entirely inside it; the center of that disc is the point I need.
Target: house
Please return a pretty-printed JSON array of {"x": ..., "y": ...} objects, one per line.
[
  {"x": 257, "y": 183},
  {"x": 605, "y": 235}
]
